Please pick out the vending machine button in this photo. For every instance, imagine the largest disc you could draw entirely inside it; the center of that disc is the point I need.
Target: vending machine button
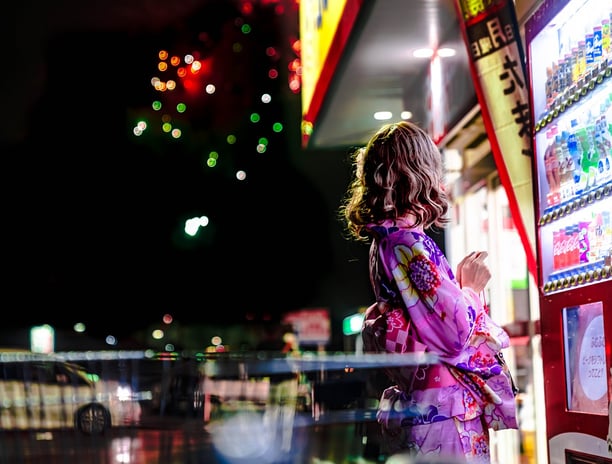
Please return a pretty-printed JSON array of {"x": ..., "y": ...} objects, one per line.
[{"x": 596, "y": 274}]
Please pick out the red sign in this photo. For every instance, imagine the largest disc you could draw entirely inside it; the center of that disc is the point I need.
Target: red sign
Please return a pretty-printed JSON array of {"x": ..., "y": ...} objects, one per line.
[{"x": 312, "y": 325}]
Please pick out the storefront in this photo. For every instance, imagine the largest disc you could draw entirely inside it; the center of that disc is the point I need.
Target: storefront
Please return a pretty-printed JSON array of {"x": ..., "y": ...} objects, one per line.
[{"x": 482, "y": 217}]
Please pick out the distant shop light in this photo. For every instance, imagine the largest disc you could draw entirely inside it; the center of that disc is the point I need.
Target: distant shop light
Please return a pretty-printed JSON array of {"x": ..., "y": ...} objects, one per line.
[
  {"x": 42, "y": 339},
  {"x": 351, "y": 325}
]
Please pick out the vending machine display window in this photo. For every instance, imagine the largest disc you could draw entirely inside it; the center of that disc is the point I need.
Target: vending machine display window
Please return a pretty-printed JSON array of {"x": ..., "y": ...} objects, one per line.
[
  {"x": 572, "y": 110},
  {"x": 569, "y": 62},
  {"x": 585, "y": 358}
]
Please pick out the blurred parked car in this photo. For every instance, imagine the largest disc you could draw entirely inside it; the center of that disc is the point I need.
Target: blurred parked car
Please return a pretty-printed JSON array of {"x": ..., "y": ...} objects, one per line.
[
  {"x": 176, "y": 390},
  {"x": 41, "y": 393}
]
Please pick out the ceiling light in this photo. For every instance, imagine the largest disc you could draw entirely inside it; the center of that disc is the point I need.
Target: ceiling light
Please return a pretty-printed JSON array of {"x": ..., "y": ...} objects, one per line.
[
  {"x": 429, "y": 52},
  {"x": 406, "y": 114},
  {"x": 423, "y": 53},
  {"x": 383, "y": 115},
  {"x": 446, "y": 52}
]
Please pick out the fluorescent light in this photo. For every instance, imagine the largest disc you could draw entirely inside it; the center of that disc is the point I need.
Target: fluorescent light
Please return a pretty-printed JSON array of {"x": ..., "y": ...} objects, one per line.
[
  {"x": 383, "y": 115},
  {"x": 429, "y": 52},
  {"x": 406, "y": 114},
  {"x": 446, "y": 52},
  {"x": 423, "y": 53}
]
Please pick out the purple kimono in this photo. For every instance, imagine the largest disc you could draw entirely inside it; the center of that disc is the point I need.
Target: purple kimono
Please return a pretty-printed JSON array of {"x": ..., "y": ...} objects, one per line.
[{"x": 429, "y": 311}]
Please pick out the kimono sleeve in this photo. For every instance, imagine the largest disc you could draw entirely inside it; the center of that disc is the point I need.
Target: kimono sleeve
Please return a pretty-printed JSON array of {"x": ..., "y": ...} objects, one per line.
[{"x": 442, "y": 312}]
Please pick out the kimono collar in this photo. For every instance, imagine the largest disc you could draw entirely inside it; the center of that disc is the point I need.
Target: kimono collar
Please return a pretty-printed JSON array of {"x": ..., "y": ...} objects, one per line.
[{"x": 388, "y": 226}]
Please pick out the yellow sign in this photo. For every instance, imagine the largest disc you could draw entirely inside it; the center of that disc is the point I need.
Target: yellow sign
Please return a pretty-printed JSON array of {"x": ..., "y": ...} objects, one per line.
[{"x": 319, "y": 22}]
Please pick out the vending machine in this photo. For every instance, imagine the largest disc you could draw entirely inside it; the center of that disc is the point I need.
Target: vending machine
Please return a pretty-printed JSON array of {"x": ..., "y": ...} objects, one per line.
[{"x": 569, "y": 67}]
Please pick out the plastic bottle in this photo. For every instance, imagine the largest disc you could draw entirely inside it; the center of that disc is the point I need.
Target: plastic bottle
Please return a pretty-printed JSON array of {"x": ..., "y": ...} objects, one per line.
[
  {"x": 597, "y": 45},
  {"x": 552, "y": 169},
  {"x": 566, "y": 167},
  {"x": 605, "y": 37},
  {"x": 583, "y": 241},
  {"x": 605, "y": 150},
  {"x": 590, "y": 156},
  {"x": 575, "y": 151},
  {"x": 580, "y": 175}
]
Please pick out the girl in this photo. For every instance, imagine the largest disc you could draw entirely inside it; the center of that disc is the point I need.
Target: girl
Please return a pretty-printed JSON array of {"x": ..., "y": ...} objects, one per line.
[{"x": 441, "y": 411}]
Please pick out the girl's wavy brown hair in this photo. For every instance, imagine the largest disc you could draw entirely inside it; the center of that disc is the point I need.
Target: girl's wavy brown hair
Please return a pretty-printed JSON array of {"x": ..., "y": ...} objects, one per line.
[{"x": 399, "y": 171}]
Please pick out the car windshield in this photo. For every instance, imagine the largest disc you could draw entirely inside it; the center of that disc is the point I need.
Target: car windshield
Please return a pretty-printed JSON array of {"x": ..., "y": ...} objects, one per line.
[{"x": 46, "y": 372}]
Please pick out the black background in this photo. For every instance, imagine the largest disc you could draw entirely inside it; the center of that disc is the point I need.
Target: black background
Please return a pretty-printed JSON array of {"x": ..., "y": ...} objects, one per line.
[{"x": 93, "y": 215}]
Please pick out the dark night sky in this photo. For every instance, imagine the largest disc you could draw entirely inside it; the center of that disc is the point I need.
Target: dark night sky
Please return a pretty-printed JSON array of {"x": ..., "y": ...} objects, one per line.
[{"x": 93, "y": 216}]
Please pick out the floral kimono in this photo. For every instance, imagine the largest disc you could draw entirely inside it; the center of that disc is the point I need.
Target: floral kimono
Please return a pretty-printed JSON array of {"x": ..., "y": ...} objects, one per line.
[{"x": 421, "y": 307}]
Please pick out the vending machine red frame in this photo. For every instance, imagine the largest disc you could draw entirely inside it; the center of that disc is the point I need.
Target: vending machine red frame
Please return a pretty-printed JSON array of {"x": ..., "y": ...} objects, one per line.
[{"x": 569, "y": 67}]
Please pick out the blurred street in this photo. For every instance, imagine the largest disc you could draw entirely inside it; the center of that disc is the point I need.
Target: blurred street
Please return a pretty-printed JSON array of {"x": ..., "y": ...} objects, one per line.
[
  {"x": 222, "y": 409},
  {"x": 239, "y": 439}
]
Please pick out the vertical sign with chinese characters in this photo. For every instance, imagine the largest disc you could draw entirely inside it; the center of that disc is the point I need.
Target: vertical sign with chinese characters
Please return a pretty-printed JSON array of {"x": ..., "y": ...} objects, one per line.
[{"x": 497, "y": 64}]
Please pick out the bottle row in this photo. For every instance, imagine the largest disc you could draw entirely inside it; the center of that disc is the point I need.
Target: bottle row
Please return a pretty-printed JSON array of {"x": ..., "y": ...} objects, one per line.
[
  {"x": 578, "y": 152},
  {"x": 583, "y": 57},
  {"x": 587, "y": 241}
]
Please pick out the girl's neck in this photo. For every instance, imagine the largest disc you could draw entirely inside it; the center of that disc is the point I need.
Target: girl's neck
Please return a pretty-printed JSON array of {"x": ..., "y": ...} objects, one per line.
[{"x": 408, "y": 220}]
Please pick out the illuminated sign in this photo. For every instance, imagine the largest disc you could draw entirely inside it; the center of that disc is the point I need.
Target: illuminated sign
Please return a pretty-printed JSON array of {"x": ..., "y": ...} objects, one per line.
[
  {"x": 324, "y": 30},
  {"x": 312, "y": 325},
  {"x": 42, "y": 339}
]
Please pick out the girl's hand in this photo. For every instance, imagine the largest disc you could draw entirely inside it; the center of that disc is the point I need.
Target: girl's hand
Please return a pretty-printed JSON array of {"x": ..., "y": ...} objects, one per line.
[{"x": 472, "y": 272}]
